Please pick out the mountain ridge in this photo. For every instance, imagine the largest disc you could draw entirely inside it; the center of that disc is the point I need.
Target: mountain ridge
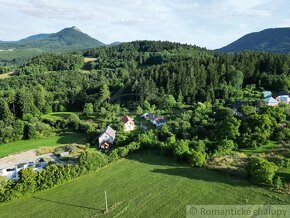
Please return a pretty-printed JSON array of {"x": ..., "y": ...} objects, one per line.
[
  {"x": 71, "y": 38},
  {"x": 269, "y": 40}
]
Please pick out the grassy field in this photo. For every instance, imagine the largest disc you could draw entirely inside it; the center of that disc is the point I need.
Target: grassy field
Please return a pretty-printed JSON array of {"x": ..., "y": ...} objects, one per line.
[
  {"x": 7, "y": 75},
  {"x": 261, "y": 149},
  {"x": 24, "y": 145},
  {"x": 95, "y": 117},
  {"x": 89, "y": 59},
  {"x": 145, "y": 185},
  {"x": 58, "y": 115}
]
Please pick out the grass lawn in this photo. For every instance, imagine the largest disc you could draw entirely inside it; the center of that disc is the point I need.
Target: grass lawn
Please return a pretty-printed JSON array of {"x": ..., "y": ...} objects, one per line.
[
  {"x": 24, "y": 145},
  {"x": 262, "y": 149},
  {"x": 65, "y": 116},
  {"x": 144, "y": 185},
  {"x": 58, "y": 115}
]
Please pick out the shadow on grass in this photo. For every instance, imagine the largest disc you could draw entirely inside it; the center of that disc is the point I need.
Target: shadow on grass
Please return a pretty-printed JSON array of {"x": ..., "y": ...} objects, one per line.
[
  {"x": 284, "y": 176},
  {"x": 174, "y": 168},
  {"x": 68, "y": 204},
  {"x": 71, "y": 138},
  {"x": 202, "y": 174}
]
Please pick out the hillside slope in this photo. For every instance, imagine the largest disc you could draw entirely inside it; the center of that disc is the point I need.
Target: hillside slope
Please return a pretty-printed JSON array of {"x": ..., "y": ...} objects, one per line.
[
  {"x": 66, "y": 39},
  {"x": 272, "y": 40},
  {"x": 145, "y": 185}
]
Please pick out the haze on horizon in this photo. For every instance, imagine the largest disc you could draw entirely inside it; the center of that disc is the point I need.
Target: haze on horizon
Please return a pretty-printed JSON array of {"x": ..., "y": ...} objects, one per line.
[{"x": 207, "y": 23}]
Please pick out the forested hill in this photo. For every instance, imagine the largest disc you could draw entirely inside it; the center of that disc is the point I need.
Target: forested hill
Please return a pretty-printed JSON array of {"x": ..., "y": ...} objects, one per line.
[
  {"x": 134, "y": 73},
  {"x": 272, "y": 40},
  {"x": 66, "y": 39}
]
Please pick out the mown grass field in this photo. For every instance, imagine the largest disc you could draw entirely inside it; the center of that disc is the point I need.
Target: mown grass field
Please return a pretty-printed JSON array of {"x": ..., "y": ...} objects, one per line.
[
  {"x": 24, "y": 145},
  {"x": 144, "y": 185}
]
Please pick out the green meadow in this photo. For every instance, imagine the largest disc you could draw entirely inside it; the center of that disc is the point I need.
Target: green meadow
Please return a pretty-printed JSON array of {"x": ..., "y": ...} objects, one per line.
[
  {"x": 24, "y": 145},
  {"x": 143, "y": 185}
]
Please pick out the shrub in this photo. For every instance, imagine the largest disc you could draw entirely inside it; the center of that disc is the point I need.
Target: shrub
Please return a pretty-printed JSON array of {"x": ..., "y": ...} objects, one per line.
[
  {"x": 92, "y": 160},
  {"x": 277, "y": 183},
  {"x": 197, "y": 158},
  {"x": 261, "y": 171},
  {"x": 225, "y": 147}
]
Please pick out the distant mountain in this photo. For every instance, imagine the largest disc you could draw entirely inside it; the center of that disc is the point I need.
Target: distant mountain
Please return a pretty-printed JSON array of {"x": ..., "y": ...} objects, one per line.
[
  {"x": 271, "y": 40},
  {"x": 66, "y": 39},
  {"x": 34, "y": 37},
  {"x": 115, "y": 43}
]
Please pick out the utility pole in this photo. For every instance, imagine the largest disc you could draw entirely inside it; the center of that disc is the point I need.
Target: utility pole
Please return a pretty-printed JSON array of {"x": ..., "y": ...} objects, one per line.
[{"x": 106, "y": 201}]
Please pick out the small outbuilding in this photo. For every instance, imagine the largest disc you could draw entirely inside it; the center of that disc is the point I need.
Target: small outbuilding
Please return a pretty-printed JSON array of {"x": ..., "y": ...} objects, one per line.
[{"x": 270, "y": 101}]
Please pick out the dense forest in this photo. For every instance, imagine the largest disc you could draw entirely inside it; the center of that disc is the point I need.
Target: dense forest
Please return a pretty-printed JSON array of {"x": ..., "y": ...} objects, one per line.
[
  {"x": 132, "y": 73},
  {"x": 193, "y": 87}
]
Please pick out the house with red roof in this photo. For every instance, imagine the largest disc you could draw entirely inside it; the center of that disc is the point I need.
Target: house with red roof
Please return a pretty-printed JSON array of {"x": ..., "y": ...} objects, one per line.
[{"x": 129, "y": 123}]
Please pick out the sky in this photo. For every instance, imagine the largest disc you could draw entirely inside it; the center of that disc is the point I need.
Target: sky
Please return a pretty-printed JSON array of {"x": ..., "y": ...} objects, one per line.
[{"x": 206, "y": 23}]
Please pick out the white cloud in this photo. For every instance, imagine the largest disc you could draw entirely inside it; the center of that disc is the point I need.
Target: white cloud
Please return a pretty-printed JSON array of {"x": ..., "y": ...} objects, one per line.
[
  {"x": 210, "y": 23},
  {"x": 285, "y": 23},
  {"x": 256, "y": 13},
  {"x": 128, "y": 22}
]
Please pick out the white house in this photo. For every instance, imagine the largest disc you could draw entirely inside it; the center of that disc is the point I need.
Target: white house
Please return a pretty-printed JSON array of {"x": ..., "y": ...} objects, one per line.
[
  {"x": 106, "y": 139},
  {"x": 283, "y": 99},
  {"x": 270, "y": 101},
  {"x": 128, "y": 122}
]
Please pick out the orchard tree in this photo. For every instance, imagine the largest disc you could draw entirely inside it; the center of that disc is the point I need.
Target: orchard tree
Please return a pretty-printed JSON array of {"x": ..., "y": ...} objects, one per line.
[{"x": 88, "y": 109}]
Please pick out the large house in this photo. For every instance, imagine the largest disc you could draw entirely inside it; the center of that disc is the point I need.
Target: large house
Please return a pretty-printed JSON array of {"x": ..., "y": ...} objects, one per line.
[
  {"x": 128, "y": 122},
  {"x": 107, "y": 138}
]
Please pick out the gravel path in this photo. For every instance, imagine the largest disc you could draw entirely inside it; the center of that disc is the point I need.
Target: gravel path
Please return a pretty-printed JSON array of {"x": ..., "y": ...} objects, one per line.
[{"x": 24, "y": 157}]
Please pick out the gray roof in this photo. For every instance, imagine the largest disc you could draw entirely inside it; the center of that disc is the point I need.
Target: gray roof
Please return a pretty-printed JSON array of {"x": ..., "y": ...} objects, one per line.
[
  {"x": 111, "y": 132},
  {"x": 270, "y": 100},
  {"x": 267, "y": 94}
]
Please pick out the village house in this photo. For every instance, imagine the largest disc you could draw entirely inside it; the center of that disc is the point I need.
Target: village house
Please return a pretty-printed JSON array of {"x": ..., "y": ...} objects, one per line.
[
  {"x": 285, "y": 99},
  {"x": 270, "y": 101},
  {"x": 128, "y": 122},
  {"x": 157, "y": 121},
  {"x": 107, "y": 138}
]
